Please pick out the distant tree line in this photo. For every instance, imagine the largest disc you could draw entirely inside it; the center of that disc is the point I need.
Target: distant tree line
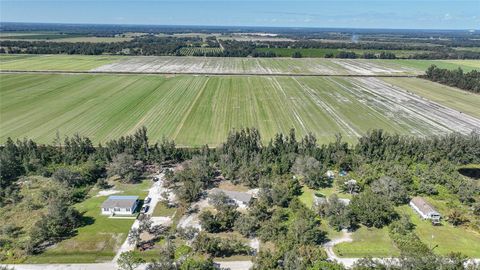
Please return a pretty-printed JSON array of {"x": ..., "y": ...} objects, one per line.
[
  {"x": 154, "y": 45},
  {"x": 469, "y": 81}
]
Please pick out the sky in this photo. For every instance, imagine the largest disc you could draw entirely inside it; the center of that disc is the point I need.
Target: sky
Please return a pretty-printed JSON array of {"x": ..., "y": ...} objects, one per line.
[{"x": 407, "y": 14}]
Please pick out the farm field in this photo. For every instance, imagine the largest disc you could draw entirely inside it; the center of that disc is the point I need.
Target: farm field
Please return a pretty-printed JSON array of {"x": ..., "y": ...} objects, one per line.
[
  {"x": 254, "y": 66},
  {"x": 463, "y": 101},
  {"x": 53, "y": 62},
  {"x": 232, "y": 65},
  {"x": 199, "y": 110},
  {"x": 190, "y": 51}
]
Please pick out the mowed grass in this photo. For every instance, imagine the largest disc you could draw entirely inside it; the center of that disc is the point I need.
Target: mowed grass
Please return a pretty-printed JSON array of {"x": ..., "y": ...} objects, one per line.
[
  {"x": 54, "y": 62},
  {"x": 445, "y": 238},
  {"x": 194, "y": 110},
  {"x": 102, "y": 236},
  {"x": 368, "y": 242},
  {"x": 463, "y": 101}
]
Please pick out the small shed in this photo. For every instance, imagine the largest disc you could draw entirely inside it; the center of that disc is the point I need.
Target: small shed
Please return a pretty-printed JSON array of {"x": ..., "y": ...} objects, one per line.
[
  {"x": 424, "y": 209},
  {"x": 120, "y": 205}
]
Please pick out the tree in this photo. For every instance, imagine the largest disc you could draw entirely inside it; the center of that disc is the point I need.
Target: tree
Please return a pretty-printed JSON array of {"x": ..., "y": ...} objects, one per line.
[
  {"x": 296, "y": 54},
  {"x": 129, "y": 261},
  {"x": 338, "y": 214},
  {"x": 372, "y": 209},
  {"x": 59, "y": 222},
  {"x": 70, "y": 178},
  {"x": 391, "y": 188},
  {"x": 456, "y": 217},
  {"x": 312, "y": 171},
  {"x": 145, "y": 223},
  {"x": 125, "y": 166},
  {"x": 225, "y": 216},
  {"x": 247, "y": 225},
  {"x": 134, "y": 237}
]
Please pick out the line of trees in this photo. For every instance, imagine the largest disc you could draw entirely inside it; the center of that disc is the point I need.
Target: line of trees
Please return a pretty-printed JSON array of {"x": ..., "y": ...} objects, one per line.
[{"x": 469, "y": 81}]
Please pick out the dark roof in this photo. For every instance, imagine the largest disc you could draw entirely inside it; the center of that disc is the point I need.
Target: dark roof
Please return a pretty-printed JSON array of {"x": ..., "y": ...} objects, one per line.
[{"x": 120, "y": 201}]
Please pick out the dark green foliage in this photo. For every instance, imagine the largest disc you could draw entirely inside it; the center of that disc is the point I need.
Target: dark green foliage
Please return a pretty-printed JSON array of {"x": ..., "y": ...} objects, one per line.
[
  {"x": 296, "y": 54},
  {"x": 403, "y": 235},
  {"x": 312, "y": 171},
  {"x": 372, "y": 210},
  {"x": 467, "y": 81},
  {"x": 225, "y": 217},
  {"x": 196, "y": 175},
  {"x": 59, "y": 222},
  {"x": 126, "y": 167},
  {"x": 338, "y": 214},
  {"x": 280, "y": 190},
  {"x": 304, "y": 229},
  {"x": 391, "y": 188},
  {"x": 219, "y": 247}
]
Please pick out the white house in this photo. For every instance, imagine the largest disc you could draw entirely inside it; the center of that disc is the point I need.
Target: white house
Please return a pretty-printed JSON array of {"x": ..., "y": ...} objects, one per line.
[
  {"x": 424, "y": 209},
  {"x": 120, "y": 205}
]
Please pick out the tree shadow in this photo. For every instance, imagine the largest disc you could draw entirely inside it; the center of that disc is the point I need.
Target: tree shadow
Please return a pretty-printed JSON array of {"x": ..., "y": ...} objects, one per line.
[{"x": 473, "y": 173}]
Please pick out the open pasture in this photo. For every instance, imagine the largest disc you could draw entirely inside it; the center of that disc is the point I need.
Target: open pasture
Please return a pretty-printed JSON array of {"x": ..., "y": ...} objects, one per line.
[
  {"x": 254, "y": 66},
  {"x": 226, "y": 65},
  {"x": 53, "y": 62},
  {"x": 198, "y": 110}
]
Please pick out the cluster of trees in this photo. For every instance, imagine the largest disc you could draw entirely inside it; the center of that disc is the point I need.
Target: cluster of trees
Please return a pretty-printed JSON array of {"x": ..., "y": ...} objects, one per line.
[
  {"x": 384, "y": 166},
  {"x": 469, "y": 81},
  {"x": 142, "y": 45},
  {"x": 225, "y": 216}
]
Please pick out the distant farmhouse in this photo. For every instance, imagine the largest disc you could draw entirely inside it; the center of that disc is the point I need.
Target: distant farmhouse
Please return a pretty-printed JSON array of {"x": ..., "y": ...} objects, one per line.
[
  {"x": 242, "y": 199},
  {"x": 120, "y": 205},
  {"x": 425, "y": 210}
]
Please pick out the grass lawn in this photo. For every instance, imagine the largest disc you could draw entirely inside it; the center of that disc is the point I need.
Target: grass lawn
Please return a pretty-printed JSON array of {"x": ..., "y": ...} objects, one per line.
[
  {"x": 368, "y": 242},
  {"x": 307, "y": 196},
  {"x": 161, "y": 210},
  {"x": 447, "y": 238},
  {"x": 97, "y": 241}
]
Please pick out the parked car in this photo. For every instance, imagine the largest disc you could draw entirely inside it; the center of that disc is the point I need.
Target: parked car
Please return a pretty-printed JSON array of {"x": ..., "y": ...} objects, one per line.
[
  {"x": 145, "y": 209},
  {"x": 147, "y": 200}
]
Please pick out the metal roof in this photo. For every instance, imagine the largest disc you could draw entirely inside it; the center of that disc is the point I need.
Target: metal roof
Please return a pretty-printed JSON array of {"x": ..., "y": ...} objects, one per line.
[
  {"x": 235, "y": 195},
  {"x": 424, "y": 206},
  {"x": 120, "y": 201}
]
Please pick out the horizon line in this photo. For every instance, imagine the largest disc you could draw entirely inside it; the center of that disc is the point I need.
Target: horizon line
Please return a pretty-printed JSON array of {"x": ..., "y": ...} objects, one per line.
[{"x": 240, "y": 26}]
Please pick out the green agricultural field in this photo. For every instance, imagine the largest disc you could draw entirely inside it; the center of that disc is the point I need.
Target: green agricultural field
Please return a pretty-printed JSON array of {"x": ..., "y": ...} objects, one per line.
[
  {"x": 99, "y": 240},
  {"x": 54, "y": 62},
  {"x": 463, "y": 101},
  {"x": 466, "y": 65},
  {"x": 190, "y": 51},
  {"x": 199, "y": 110}
]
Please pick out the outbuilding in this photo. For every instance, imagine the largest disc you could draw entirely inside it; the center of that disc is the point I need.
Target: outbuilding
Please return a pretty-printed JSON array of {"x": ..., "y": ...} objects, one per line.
[
  {"x": 425, "y": 210},
  {"x": 120, "y": 205}
]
